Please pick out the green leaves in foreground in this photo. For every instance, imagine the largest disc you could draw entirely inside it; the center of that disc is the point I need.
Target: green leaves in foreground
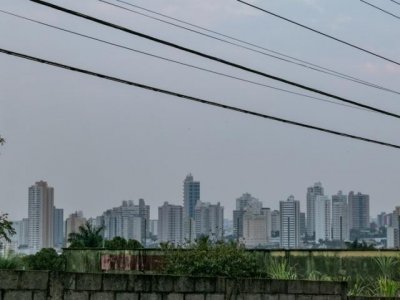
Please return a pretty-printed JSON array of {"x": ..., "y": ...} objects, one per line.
[{"x": 6, "y": 228}]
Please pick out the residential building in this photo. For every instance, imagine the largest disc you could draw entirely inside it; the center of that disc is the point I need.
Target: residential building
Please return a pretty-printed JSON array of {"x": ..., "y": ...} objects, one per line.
[
  {"x": 209, "y": 220},
  {"x": 257, "y": 228},
  {"x": 290, "y": 223},
  {"x": 358, "y": 211},
  {"x": 21, "y": 237},
  {"x": 340, "y": 217},
  {"x": 72, "y": 224},
  {"x": 312, "y": 193},
  {"x": 153, "y": 228},
  {"x": 40, "y": 216},
  {"x": 170, "y": 224},
  {"x": 58, "y": 232},
  {"x": 322, "y": 215},
  {"x": 392, "y": 238},
  {"x": 303, "y": 224},
  {"x": 275, "y": 223},
  {"x": 129, "y": 221},
  {"x": 380, "y": 220},
  {"x": 243, "y": 204},
  {"x": 191, "y": 195}
]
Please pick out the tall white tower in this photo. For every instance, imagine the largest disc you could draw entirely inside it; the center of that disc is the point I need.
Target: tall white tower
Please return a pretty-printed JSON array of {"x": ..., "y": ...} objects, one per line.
[
  {"x": 40, "y": 216},
  {"x": 290, "y": 223}
]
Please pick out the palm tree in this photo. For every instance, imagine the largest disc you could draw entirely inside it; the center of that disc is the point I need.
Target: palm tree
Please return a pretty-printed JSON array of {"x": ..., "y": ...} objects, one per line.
[{"x": 88, "y": 236}]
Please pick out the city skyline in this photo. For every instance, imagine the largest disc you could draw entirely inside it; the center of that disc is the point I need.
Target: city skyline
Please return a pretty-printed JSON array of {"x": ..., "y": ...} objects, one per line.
[
  {"x": 226, "y": 203},
  {"x": 337, "y": 219},
  {"x": 99, "y": 142}
]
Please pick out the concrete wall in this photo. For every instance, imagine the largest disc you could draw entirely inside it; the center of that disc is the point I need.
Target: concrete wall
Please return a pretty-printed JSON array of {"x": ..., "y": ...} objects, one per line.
[{"x": 41, "y": 285}]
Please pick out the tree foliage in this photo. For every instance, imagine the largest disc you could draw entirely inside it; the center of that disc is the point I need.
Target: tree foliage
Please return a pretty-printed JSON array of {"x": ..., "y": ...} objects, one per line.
[
  {"x": 212, "y": 259},
  {"x": 119, "y": 243},
  {"x": 6, "y": 228},
  {"x": 88, "y": 236},
  {"x": 45, "y": 259}
]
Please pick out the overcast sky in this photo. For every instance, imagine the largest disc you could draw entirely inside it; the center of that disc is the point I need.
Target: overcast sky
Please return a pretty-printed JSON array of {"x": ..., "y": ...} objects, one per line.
[{"x": 98, "y": 142}]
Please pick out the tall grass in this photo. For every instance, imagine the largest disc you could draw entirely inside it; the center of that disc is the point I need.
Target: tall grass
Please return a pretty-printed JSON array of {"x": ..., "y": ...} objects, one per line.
[
  {"x": 281, "y": 269},
  {"x": 387, "y": 265},
  {"x": 386, "y": 287}
]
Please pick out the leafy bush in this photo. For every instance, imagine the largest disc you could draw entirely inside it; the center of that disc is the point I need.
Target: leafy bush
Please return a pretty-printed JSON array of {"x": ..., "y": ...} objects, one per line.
[
  {"x": 119, "y": 243},
  {"x": 13, "y": 262},
  {"x": 207, "y": 259},
  {"x": 46, "y": 259}
]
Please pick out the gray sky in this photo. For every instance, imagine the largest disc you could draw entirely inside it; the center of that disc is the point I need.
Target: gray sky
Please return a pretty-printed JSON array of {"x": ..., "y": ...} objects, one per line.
[{"x": 98, "y": 142}]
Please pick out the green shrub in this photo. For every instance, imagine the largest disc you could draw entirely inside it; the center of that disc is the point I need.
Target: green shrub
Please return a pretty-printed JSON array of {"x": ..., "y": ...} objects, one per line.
[
  {"x": 46, "y": 259},
  {"x": 119, "y": 243},
  {"x": 13, "y": 262},
  {"x": 208, "y": 259}
]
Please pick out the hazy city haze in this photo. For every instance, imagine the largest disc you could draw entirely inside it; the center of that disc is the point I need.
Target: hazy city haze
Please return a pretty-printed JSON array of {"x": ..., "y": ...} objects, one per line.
[{"x": 98, "y": 142}]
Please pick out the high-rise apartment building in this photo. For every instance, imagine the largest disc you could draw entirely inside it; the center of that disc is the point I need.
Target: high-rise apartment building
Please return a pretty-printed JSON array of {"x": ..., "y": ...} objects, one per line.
[
  {"x": 245, "y": 203},
  {"x": 340, "y": 217},
  {"x": 303, "y": 224},
  {"x": 396, "y": 217},
  {"x": 257, "y": 228},
  {"x": 290, "y": 223},
  {"x": 40, "y": 216},
  {"x": 380, "y": 219},
  {"x": 322, "y": 215},
  {"x": 275, "y": 223},
  {"x": 392, "y": 238},
  {"x": 209, "y": 220},
  {"x": 191, "y": 195},
  {"x": 170, "y": 224},
  {"x": 358, "y": 211},
  {"x": 129, "y": 221},
  {"x": 153, "y": 229},
  {"x": 72, "y": 224},
  {"x": 21, "y": 236},
  {"x": 58, "y": 222},
  {"x": 312, "y": 193}
]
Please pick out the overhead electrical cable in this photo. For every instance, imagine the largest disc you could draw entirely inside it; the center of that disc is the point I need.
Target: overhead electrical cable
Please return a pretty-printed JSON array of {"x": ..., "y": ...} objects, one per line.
[
  {"x": 287, "y": 59},
  {"x": 394, "y": 1},
  {"x": 213, "y": 58},
  {"x": 381, "y": 9},
  {"x": 178, "y": 62},
  {"x": 191, "y": 98},
  {"x": 321, "y": 33}
]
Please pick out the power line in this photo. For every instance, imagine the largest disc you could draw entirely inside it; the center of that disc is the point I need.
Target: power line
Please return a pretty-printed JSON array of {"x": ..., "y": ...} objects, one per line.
[
  {"x": 398, "y": 3},
  {"x": 287, "y": 59},
  {"x": 191, "y": 98},
  {"x": 321, "y": 33},
  {"x": 213, "y": 58},
  {"x": 175, "y": 61},
  {"x": 381, "y": 9}
]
